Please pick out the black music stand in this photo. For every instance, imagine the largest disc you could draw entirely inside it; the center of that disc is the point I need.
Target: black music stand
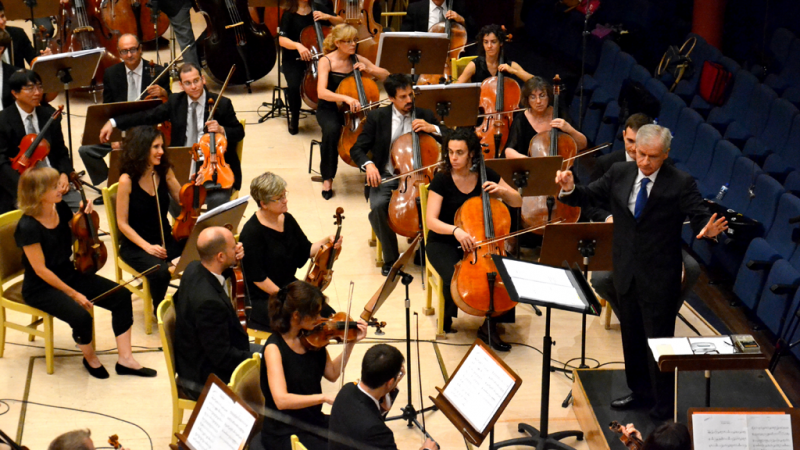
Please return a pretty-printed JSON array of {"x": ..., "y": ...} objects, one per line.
[
  {"x": 425, "y": 52},
  {"x": 98, "y": 115},
  {"x": 278, "y": 104},
  {"x": 455, "y": 105},
  {"x": 587, "y": 244}
]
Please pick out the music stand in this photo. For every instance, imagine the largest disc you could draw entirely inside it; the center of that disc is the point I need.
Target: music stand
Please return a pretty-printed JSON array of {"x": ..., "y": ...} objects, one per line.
[
  {"x": 277, "y": 104},
  {"x": 98, "y": 115},
  {"x": 425, "y": 52},
  {"x": 587, "y": 304},
  {"x": 455, "y": 105},
  {"x": 179, "y": 157},
  {"x": 68, "y": 71}
]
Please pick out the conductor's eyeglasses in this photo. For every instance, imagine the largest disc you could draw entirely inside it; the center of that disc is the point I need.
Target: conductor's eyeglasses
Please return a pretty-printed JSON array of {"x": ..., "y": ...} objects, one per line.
[{"x": 129, "y": 51}]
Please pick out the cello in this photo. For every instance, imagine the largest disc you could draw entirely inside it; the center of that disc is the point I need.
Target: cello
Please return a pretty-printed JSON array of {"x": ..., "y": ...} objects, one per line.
[
  {"x": 545, "y": 209},
  {"x": 457, "y": 35},
  {"x": 214, "y": 168},
  {"x": 91, "y": 253},
  {"x": 366, "y": 91},
  {"x": 34, "y": 148},
  {"x": 151, "y": 23},
  {"x": 475, "y": 287},
  {"x": 320, "y": 272},
  {"x": 358, "y": 13},
  {"x": 498, "y": 96},
  {"x": 312, "y": 37}
]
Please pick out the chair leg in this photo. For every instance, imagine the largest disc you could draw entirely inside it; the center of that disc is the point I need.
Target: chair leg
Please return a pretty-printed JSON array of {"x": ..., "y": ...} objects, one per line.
[
  {"x": 2, "y": 331},
  {"x": 32, "y": 337},
  {"x": 440, "y": 334},
  {"x": 378, "y": 253},
  {"x": 48, "y": 344},
  {"x": 177, "y": 418},
  {"x": 428, "y": 310},
  {"x": 607, "y": 318},
  {"x": 147, "y": 307}
]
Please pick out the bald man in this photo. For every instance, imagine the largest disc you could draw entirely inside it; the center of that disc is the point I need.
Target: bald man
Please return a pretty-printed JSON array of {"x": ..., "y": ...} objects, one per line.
[{"x": 208, "y": 336}]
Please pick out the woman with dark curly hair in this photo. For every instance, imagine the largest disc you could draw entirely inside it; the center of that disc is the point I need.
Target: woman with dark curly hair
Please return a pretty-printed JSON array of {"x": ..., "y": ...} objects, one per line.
[
  {"x": 291, "y": 376},
  {"x": 492, "y": 38},
  {"x": 450, "y": 188},
  {"x": 145, "y": 174}
]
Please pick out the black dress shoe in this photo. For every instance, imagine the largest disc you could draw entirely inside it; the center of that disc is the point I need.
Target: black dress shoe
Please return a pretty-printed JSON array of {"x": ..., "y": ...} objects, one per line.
[
  {"x": 327, "y": 195},
  {"x": 630, "y": 401},
  {"x": 497, "y": 343},
  {"x": 293, "y": 129},
  {"x": 386, "y": 268},
  {"x": 143, "y": 372},
  {"x": 99, "y": 372},
  {"x": 98, "y": 201}
]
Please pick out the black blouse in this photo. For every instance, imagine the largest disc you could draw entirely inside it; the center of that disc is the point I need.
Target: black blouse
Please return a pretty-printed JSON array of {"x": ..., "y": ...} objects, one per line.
[
  {"x": 143, "y": 215},
  {"x": 521, "y": 134},
  {"x": 292, "y": 24},
  {"x": 482, "y": 71},
  {"x": 56, "y": 245}
]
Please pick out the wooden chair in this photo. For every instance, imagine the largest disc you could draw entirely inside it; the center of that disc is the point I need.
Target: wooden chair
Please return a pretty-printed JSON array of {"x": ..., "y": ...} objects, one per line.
[
  {"x": 180, "y": 401},
  {"x": 239, "y": 151},
  {"x": 432, "y": 278},
  {"x": 259, "y": 336},
  {"x": 246, "y": 383},
  {"x": 375, "y": 242},
  {"x": 458, "y": 65},
  {"x": 296, "y": 445}
]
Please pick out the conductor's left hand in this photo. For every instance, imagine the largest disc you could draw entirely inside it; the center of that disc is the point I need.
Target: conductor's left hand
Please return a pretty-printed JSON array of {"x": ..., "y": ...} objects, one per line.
[{"x": 713, "y": 227}]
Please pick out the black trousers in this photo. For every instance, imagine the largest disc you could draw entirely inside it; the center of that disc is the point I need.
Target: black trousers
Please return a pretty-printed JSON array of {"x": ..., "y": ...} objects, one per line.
[
  {"x": 331, "y": 122},
  {"x": 379, "y": 219},
  {"x": 295, "y": 74},
  {"x": 60, "y": 305},
  {"x": 140, "y": 260},
  {"x": 92, "y": 156}
]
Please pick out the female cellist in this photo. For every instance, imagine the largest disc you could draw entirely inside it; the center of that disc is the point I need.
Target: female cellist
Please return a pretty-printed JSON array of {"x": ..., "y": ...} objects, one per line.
[
  {"x": 297, "y": 17},
  {"x": 276, "y": 244},
  {"x": 334, "y": 67},
  {"x": 491, "y": 39},
  {"x": 450, "y": 188},
  {"x": 291, "y": 375},
  {"x": 51, "y": 281}
]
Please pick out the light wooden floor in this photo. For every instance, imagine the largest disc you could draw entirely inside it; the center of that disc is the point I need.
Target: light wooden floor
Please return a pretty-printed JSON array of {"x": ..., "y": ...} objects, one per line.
[{"x": 144, "y": 404}]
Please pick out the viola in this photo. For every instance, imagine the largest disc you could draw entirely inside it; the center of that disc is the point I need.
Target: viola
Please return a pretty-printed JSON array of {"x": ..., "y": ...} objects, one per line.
[
  {"x": 544, "y": 209},
  {"x": 366, "y": 92},
  {"x": 213, "y": 146},
  {"x": 457, "y": 35},
  {"x": 339, "y": 327},
  {"x": 34, "y": 148},
  {"x": 91, "y": 253},
  {"x": 476, "y": 288},
  {"x": 192, "y": 198},
  {"x": 166, "y": 126},
  {"x": 409, "y": 153},
  {"x": 239, "y": 295},
  {"x": 312, "y": 37},
  {"x": 358, "y": 13},
  {"x": 631, "y": 442},
  {"x": 320, "y": 272},
  {"x": 498, "y": 95}
]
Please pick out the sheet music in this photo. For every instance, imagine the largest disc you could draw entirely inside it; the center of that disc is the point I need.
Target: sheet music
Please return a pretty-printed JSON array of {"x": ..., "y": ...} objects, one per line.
[
  {"x": 742, "y": 431},
  {"x": 222, "y": 424},
  {"x": 549, "y": 284},
  {"x": 479, "y": 388},
  {"x": 769, "y": 431},
  {"x": 223, "y": 207},
  {"x": 64, "y": 55}
]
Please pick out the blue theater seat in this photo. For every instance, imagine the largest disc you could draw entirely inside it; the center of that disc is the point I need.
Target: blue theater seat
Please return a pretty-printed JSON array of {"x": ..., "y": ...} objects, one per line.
[
  {"x": 671, "y": 107},
  {"x": 684, "y": 135},
  {"x": 777, "y": 296},
  {"x": 699, "y": 161},
  {"x": 735, "y": 107},
  {"x": 787, "y": 156},
  {"x": 773, "y": 137},
  {"x": 755, "y": 119}
]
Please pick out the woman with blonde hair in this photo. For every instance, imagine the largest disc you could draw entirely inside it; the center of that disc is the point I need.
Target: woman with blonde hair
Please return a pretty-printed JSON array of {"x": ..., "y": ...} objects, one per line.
[
  {"x": 51, "y": 281},
  {"x": 335, "y": 66}
]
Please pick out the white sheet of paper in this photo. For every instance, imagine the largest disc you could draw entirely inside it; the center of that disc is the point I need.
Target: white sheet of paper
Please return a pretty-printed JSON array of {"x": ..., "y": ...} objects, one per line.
[
  {"x": 221, "y": 424},
  {"x": 548, "y": 284},
  {"x": 542, "y": 274},
  {"x": 719, "y": 431},
  {"x": 769, "y": 431},
  {"x": 479, "y": 388},
  {"x": 669, "y": 346}
]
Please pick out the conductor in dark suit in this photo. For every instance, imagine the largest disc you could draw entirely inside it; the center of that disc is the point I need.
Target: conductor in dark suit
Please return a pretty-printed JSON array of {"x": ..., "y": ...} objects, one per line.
[
  {"x": 192, "y": 103},
  {"x": 359, "y": 410},
  {"x": 382, "y": 127},
  {"x": 123, "y": 82},
  {"x": 208, "y": 336},
  {"x": 649, "y": 202},
  {"x": 424, "y": 14},
  {"x": 6, "y": 70}
]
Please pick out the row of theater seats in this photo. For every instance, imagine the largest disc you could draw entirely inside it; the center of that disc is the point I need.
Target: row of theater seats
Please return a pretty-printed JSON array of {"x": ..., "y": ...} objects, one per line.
[{"x": 750, "y": 144}]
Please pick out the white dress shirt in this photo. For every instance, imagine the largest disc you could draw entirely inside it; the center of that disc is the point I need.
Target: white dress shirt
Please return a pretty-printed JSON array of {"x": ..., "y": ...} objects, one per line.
[
  {"x": 201, "y": 106},
  {"x": 433, "y": 13},
  {"x": 377, "y": 403},
  {"x": 219, "y": 278},
  {"x": 401, "y": 124},
  {"x": 637, "y": 185},
  {"x": 137, "y": 75}
]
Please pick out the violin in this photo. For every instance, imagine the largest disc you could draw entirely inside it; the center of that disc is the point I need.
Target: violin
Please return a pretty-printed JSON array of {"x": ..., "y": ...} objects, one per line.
[
  {"x": 340, "y": 328},
  {"x": 366, "y": 92},
  {"x": 457, "y": 35},
  {"x": 409, "y": 153},
  {"x": 214, "y": 168},
  {"x": 192, "y": 198},
  {"x": 320, "y": 272},
  {"x": 91, "y": 253},
  {"x": 358, "y": 13},
  {"x": 34, "y": 148},
  {"x": 113, "y": 441},
  {"x": 476, "y": 288},
  {"x": 544, "y": 209},
  {"x": 239, "y": 295},
  {"x": 498, "y": 95},
  {"x": 166, "y": 126},
  {"x": 312, "y": 37},
  {"x": 631, "y": 442}
]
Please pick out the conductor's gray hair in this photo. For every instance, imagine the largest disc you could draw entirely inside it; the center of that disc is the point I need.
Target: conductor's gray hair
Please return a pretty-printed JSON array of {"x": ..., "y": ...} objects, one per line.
[{"x": 654, "y": 134}]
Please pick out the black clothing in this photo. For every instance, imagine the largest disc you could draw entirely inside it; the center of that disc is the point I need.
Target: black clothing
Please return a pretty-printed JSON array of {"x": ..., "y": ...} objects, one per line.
[
  {"x": 330, "y": 121},
  {"x": 172, "y": 7},
  {"x": 57, "y": 254},
  {"x": 334, "y": 79},
  {"x": 522, "y": 132},
  {"x": 208, "y": 336},
  {"x": 7, "y": 98},
  {"x": 115, "y": 81},
  {"x": 482, "y": 72},
  {"x": 416, "y": 18},
  {"x": 21, "y": 47},
  {"x": 303, "y": 374},
  {"x": 356, "y": 416}
]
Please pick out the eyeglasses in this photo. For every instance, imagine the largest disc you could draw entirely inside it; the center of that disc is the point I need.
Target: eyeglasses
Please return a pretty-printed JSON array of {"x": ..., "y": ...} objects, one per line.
[
  {"x": 129, "y": 51},
  {"x": 282, "y": 198},
  {"x": 33, "y": 87},
  {"x": 191, "y": 83}
]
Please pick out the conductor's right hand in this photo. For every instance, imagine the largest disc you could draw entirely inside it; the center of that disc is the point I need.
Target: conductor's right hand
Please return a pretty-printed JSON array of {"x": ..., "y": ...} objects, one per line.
[
  {"x": 373, "y": 176},
  {"x": 105, "y": 132},
  {"x": 157, "y": 251},
  {"x": 565, "y": 180},
  {"x": 466, "y": 241},
  {"x": 429, "y": 445}
]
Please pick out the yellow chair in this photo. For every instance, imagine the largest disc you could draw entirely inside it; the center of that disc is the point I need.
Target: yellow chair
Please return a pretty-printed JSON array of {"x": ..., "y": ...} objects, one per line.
[
  {"x": 296, "y": 445},
  {"x": 246, "y": 383},
  {"x": 180, "y": 401},
  {"x": 458, "y": 65},
  {"x": 239, "y": 151},
  {"x": 375, "y": 242},
  {"x": 259, "y": 336},
  {"x": 433, "y": 279}
]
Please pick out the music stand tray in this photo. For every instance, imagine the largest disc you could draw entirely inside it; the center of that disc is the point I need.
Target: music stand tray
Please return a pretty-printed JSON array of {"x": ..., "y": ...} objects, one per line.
[
  {"x": 540, "y": 173},
  {"x": 98, "y": 115},
  {"x": 455, "y": 105},
  {"x": 425, "y": 52},
  {"x": 69, "y": 70},
  {"x": 19, "y": 10}
]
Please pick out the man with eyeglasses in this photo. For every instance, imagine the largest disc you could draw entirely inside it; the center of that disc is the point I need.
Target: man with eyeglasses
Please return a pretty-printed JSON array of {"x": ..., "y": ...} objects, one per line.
[
  {"x": 123, "y": 82},
  {"x": 188, "y": 112}
]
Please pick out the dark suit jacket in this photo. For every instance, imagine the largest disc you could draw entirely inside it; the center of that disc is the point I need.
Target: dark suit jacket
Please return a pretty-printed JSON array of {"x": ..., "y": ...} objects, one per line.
[
  {"x": 648, "y": 250},
  {"x": 7, "y": 98},
  {"x": 176, "y": 109},
  {"x": 115, "y": 82},
  {"x": 172, "y": 7},
  {"x": 21, "y": 47},
  {"x": 355, "y": 415},
  {"x": 12, "y": 130},
  {"x": 416, "y": 18},
  {"x": 208, "y": 336},
  {"x": 377, "y": 136}
]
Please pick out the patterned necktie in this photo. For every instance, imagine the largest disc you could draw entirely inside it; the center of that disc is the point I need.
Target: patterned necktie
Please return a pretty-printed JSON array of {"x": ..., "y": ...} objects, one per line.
[
  {"x": 29, "y": 128},
  {"x": 641, "y": 199},
  {"x": 192, "y": 137},
  {"x": 133, "y": 95}
]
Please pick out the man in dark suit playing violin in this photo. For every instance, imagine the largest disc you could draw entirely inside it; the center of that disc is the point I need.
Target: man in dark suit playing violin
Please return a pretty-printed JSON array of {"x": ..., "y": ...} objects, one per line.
[
  {"x": 21, "y": 49},
  {"x": 28, "y": 116},
  {"x": 382, "y": 127},
  {"x": 123, "y": 82},
  {"x": 424, "y": 14},
  {"x": 208, "y": 336},
  {"x": 188, "y": 111}
]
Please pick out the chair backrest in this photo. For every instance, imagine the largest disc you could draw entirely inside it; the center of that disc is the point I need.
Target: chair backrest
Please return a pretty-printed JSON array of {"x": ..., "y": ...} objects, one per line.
[
  {"x": 743, "y": 179},
  {"x": 622, "y": 69},
  {"x": 166, "y": 329},
  {"x": 656, "y": 88},
  {"x": 721, "y": 168},
  {"x": 780, "y": 234},
  {"x": 671, "y": 107},
  {"x": 702, "y": 154},
  {"x": 246, "y": 380},
  {"x": 780, "y": 44},
  {"x": 685, "y": 133},
  {"x": 10, "y": 254},
  {"x": 640, "y": 74},
  {"x": 296, "y": 445},
  {"x": 779, "y": 125},
  {"x": 730, "y": 65},
  {"x": 110, "y": 200},
  {"x": 608, "y": 55},
  {"x": 457, "y": 65},
  {"x": 423, "y": 200},
  {"x": 743, "y": 84},
  {"x": 772, "y": 307},
  {"x": 767, "y": 193},
  {"x": 758, "y": 109}
]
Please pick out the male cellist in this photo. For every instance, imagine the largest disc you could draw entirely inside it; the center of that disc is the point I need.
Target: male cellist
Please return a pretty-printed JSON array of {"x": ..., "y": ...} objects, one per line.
[
  {"x": 382, "y": 128},
  {"x": 422, "y": 15},
  {"x": 188, "y": 112}
]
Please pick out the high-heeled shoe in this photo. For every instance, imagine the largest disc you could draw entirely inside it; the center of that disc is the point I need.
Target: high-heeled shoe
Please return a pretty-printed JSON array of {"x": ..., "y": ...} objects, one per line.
[{"x": 327, "y": 195}]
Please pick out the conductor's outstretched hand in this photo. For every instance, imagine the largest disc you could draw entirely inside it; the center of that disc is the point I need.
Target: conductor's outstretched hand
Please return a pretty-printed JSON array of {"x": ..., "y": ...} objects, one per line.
[
  {"x": 713, "y": 227},
  {"x": 565, "y": 180}
]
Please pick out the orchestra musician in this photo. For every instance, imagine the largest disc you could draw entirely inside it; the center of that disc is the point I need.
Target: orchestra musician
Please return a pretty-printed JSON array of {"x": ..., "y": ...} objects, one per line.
[
  {"x": 51, "y": 281},
  {"x": 74, "y": 440},
  {"x": 360, "y": 408},
  {"x": 647, "y": 254},
  {"x": 137, "y": 208},
  {"x": 334, "y": 67},
  {"x": 188, "y": 112},
  {"x": 277, "y": 246},
  {"x": 291, "y": 375},
  {"x": 383, "y": 126},
  {"x": 423, "y": 15},
  {"x": 6, "y": 70},
  {"x": 456, "y": 183},
  {"x": 28, "y": 116},
  {"x": 21, "y": 49},
  {"x": 122, "y": 82},
  {"x": 294, "y": 56},
  {"x": 208, "y": 335},
  {"x": 491, "y": 39}
]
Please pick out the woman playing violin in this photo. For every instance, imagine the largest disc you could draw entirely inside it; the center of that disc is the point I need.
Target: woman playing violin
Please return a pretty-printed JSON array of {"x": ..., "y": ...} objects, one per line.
[
  {"x": 334, "y": 67},
  {"x": 51, "y": 281},
  {"x": 276, "y": 245},
  {"x": 141, "y": 217},
  {"x": 297, "y": 17},
  {"x": 450, "y": 188},
  {"x": 491, "y": 40},
  {"x": 291, "y": 376},
  {"x": 537, "y": 97}
]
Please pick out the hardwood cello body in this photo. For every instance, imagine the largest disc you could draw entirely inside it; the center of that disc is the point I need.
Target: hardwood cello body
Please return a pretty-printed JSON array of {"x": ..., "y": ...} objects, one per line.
[
  {"x": 366, "y": 91},
  {"x": 499, "y": 94},
  {"x": 119, "y": 18},
  {"x": 312, "y": 38},
  {"x": 150, "y": 26},
  {"x": 358, "y": 13}
]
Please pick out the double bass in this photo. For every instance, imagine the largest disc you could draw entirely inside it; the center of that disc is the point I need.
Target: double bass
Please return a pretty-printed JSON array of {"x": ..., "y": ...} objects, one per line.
[
  {"x": 365, "y": 90},
  {"x": 499, "y": 95},
  {"x": 312, "y": 37},
  {"x": 320, "y": 272},
  {"x": 150, "y": 22},
  {"x": 457, "y": 35},
  {"x": 34, "y": 148},
  {"x": 545, "y": 209},
  {"x": 358, "y": 13}
]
